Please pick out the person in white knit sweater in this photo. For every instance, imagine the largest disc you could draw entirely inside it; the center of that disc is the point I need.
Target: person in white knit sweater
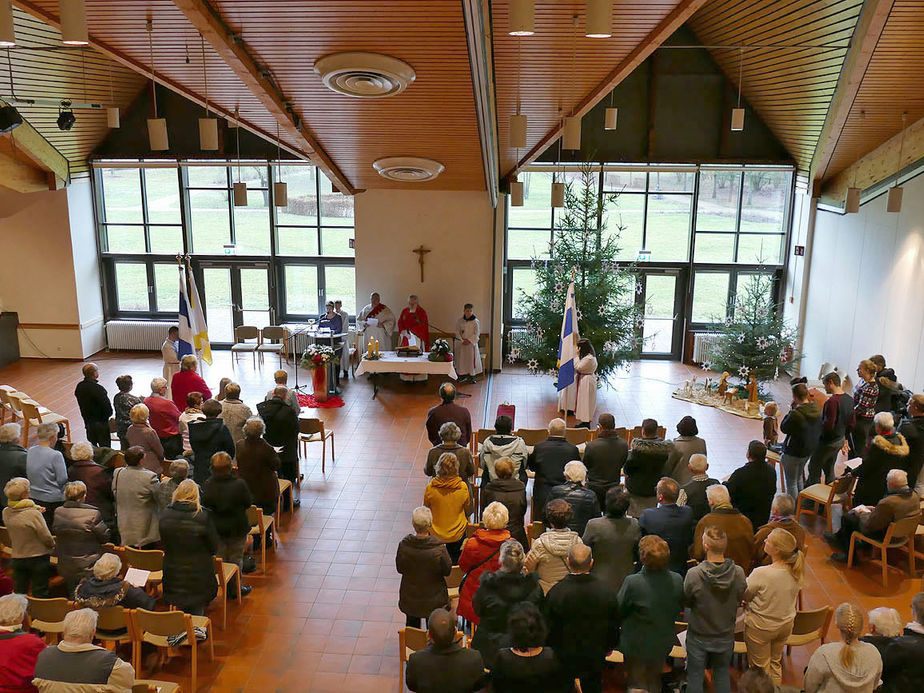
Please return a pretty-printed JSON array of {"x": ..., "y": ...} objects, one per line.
[{"x": 851, "y": 666}]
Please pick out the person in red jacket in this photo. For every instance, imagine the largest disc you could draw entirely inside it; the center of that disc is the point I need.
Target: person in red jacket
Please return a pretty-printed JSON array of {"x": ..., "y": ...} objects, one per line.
[
  {"x": 18, "y": 648},
  {"x": 186, "y": 381},
  {"x": 481, "y": 554}
]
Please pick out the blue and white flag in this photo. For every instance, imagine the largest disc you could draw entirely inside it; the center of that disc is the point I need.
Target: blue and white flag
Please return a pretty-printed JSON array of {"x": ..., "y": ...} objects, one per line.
[
  {"x": 567, "y": 343},
  {"x": 194, "y": 334}
]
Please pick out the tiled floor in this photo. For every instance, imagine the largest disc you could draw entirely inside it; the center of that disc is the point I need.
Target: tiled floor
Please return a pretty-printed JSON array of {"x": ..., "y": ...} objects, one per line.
[{"x": 324, "y": 618}]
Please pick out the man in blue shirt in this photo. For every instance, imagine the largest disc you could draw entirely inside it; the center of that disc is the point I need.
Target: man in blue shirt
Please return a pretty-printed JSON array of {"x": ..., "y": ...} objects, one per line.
[{"x": 672, "y": 522}]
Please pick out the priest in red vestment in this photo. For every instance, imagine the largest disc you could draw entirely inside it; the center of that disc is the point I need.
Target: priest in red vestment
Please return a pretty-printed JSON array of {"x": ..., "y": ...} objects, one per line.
[{"x": 414, "y": 321}]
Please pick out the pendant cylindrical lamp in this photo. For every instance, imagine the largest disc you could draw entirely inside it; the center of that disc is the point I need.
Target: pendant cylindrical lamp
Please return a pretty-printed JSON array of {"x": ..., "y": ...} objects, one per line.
[
  {"x": 894, "y": 204},
  {"x": 737, "y": 119},
  {"x": 112, "y": 117},
  {"x": 558, "y": 194},
  {"x": 281, "y": 194},
  {"x": 7, "y": 30},
  {"x": 516, "y": 193},
  {"x": 522, "y": 18},
  {"x": 571, "y": 133},
  {"x": 612, "y": 115},
  {"x": 73, "y": 22},
  {"x": 853, "y": 201},
  {"x": 518, "y": 131},
  {"x": 599, "y": 19},
  {"x": 240, "y": 194},
  {"x": 157, "y": 134},
  {"x": 208, "y": 134}
]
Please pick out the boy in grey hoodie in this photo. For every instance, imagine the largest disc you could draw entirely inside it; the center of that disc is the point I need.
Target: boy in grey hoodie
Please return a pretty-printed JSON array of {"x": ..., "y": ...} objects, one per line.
[{"x": 712, "y": 592}]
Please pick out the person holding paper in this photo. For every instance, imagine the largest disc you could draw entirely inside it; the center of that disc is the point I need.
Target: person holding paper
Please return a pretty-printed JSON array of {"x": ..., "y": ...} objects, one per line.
[
  {"x": 377, "y": 321},
  {"x": 414, "y": 328},
  {"x": 467, "y": 355}
]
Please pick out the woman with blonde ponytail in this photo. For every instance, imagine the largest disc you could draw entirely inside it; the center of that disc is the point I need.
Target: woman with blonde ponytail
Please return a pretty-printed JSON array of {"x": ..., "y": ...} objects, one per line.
[
  {"x": 770, "y": 603},
  {"x": 851, "y": 666}
]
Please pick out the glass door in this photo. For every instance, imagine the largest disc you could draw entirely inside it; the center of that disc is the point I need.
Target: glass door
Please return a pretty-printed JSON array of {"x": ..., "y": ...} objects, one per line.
[
  {"x": 660, "y": 299},
  {"x": 235, "y": 295}
]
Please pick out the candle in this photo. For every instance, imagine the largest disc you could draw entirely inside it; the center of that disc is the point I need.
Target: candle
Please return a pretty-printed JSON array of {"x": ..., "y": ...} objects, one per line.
[
  {"x": 369, "y": 352},
  {"x": 376, "y": 347}
]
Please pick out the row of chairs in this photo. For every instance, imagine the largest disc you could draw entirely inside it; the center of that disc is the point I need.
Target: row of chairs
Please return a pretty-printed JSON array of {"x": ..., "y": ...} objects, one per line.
[
  {"x": 20, "y": 407},
  {"x": 270, "y": 340},
  {"x": 576, "y": 436}
]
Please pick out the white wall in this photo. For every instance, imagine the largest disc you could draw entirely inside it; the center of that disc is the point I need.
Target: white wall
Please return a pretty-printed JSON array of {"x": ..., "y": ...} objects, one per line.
[
  {"x": 456, "y": 226},
  {"x": 86, "y": 267},
  {"x": 866, "y": 288}
]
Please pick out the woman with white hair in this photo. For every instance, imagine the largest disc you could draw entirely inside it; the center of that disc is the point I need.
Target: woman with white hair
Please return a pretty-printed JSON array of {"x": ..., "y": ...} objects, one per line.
[
  {"x": 46, "y": 470},
  {"x": 449, "y": 435},
  {"x": 423, "y": 562},
  {"x": 12, "y": 456},
  {"x": 142, "y": 435},
  {"x": 480, "y": 554},
  {"x": 885, "y": 624},
  {"x": 79, "y": 535},
  {"x": 257, "y": 464},
  {"x": 849, "y": 666},
  {"x": 30, "y": 537},
  {"x": 186, "y": 381},
  {"x": 97, "y": 479},
  {"x": 18, "y": 648},
  {"x": 887, "y": 450},
  {"x": 583, "y": 501},
  {"x": 104, "y": 588}
]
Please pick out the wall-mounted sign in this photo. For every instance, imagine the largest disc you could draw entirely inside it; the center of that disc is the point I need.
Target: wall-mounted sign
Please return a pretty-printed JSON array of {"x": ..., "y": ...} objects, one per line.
[{"x": 799, "y": 250}]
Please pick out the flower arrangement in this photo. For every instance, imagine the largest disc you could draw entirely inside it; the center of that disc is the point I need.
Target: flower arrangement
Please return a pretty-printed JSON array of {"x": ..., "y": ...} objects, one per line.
[
  {"x": 440, "y": 351},
  {"x": 318, "y": 356}
]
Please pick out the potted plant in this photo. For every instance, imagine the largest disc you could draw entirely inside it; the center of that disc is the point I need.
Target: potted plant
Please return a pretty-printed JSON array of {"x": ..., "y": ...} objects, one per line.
[
  {"x": 316, "y": 358},
  {"x": 440, "y": 351}
]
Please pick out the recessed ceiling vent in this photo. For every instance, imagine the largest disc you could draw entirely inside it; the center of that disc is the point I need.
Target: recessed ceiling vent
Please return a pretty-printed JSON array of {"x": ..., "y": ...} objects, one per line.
[
  {"x": 408, "y": 169},
  {"x": 364, "y": 75}
]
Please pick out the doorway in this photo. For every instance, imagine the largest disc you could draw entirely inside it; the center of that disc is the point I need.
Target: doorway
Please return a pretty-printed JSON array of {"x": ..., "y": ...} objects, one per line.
[
  {"x": 661, "y": 301},
  {"x": 235, "y": 295}
]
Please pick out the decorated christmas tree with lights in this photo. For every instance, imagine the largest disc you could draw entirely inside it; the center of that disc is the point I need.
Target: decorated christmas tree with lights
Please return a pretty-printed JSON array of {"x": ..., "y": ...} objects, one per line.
[
  {"x": 756, "y": 340},
  {"x": 582, "y": 248}
]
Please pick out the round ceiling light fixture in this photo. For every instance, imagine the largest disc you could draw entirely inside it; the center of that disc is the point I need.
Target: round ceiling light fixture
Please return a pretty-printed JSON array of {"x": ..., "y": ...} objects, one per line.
[
  {"x": 364, "y": 75},
  {"x": 408, "y": 169}
]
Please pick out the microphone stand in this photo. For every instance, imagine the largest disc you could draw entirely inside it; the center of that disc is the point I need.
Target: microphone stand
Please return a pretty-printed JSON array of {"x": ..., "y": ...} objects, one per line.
[{"x": 296, "y": 357}]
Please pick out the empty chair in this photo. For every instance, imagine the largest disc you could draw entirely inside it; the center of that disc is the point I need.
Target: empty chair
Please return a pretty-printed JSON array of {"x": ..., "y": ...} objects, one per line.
[
  {"x": 155, "y": 627},
  {"x": 33, "y": 414},
  {"x": 6, "y": 406},
  {"x": 150, "y": 560},
  {"x": 809, "y": 626},
  {"x": 825, "y": 496},
  {"x": 274, "y": 340},
  {"x": 47, "y": 616},
  {"x": 313, "y": 431},
  {"x": 531, "y": 436},
  {"x": 260, "y": 526},
  {"x": 226, "y": 573},
  {"x": 242, "y": 346},
  {"x": 900, "y": 534}
]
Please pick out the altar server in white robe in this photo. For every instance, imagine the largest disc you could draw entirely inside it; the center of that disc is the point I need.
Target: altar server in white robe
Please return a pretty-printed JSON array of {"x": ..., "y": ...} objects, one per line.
[
  {"x": 376, "y": 320},
  {"x": 171, "y": 357},
  {"x": 466, "y": 355},
  {"x": 586, "y": 383},
  {"x": 347, "y": 341}
]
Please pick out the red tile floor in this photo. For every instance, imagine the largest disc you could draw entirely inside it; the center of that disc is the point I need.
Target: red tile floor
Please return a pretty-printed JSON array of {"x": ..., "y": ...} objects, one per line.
[{"x": 324, "y": 618}]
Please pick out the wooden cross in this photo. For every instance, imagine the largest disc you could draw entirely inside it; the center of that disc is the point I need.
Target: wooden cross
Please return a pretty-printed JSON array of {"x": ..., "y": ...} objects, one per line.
[{"x": 421, "y": 251}]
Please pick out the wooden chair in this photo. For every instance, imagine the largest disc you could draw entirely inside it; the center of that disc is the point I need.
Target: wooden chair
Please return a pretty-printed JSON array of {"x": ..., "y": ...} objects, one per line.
[
  {"x": 154, "y": 627},
  {"x": 410, "y": 640},
  {"x": 313, "y": 431},
  {"x": 900, "y": 534},
  {"x": 625, "y": 434},
  {"x": 809, "y": 626},
  {"x": 531, "y": 436},
  {"x": 6, "y": 545},
  {"x": 5, "y": 404},
  {"x": 825, "y": 496},
  {"x": 533, "y": 532},
  {"x": 242, "y": 346},
  {"x": 453, "y": 582},
  {"x": 285, "y": 489},
  {"x": 34, "y": 415},
  {"x": 114, "y": 626},
  {"x": 577, "y": 436},
  {"x": 151, "y": 560},
  {"x": 226, "y": 573},
  {"x": 481, "y": 435},
  {"x": 47, "y": 616},
  {"x": 154, "y": 686},
  {"x": 260, "y": 525},
  {"x": 775, "y": 460},
  {"x": 678, "y": 651},
  {"x": 274, "y": 340}
]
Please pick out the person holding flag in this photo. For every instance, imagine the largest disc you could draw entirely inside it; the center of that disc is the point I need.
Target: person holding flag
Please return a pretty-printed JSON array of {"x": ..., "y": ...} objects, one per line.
[
  {"x": 586, "y": 385},
  {"x": 567, "y": 353}
]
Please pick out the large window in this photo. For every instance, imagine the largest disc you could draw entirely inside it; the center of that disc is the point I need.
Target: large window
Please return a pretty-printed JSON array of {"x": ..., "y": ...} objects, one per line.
[{"x": 256, "y": 264}]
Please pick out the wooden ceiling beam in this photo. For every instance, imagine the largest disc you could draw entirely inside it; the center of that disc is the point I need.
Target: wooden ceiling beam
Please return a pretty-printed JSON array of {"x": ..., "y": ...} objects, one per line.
[
  {"x": 21, "y": 176},
  {"x": 29, "y": 143},
  {"x": 231, "y": 49},
  {"x": 673, "y": 21},
  {"x": 870, "y": 25}
]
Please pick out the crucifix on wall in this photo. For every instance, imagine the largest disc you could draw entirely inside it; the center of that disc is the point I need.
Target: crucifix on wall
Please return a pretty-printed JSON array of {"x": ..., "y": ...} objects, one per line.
[{"x": 421, "y": 251}]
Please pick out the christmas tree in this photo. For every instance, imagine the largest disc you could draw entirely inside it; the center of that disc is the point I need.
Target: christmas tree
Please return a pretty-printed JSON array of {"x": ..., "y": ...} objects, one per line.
[
  {"x": 756, "y": 340},
  {"x": 583, "y": 249}
]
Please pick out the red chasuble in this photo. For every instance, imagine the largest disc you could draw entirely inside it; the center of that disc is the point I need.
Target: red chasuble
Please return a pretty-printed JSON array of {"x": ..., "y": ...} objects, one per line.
[{"x": 417, "y": 324}]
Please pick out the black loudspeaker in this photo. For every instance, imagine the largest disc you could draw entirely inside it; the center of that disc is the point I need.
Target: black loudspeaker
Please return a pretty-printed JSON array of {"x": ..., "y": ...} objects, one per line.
[
  {"x": 9, "y": 340},
  {"x": 9, "y": 119}
]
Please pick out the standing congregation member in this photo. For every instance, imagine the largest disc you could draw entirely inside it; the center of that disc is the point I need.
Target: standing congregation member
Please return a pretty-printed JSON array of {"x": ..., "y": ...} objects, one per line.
[
  {"x": 177, "y": 473},
  {"x": 503, "y": 444},
  {"x": 30, "y": 539},
  {"x": 887, "y": 450},
  {"x": 98, "y": 481},
  {"x": 509, "y": 492},
  {"x": 234, "y": 412},
  {"x": 46, "y": 471},
  {"x": 803, "y": 429},
  {"x": 903, "y": 661},
  {"x": 712, "y": 592},
  {"x": 912, "y": 428},
  {"x": 423, "y": 563},
  {"x": 222, "y": 387},
  {"x": 449, "y": 500},
  {"x": 135, "y": 491},
  {"x": 850, "y": 665},
  {"x": 738, "y": 529},
  {"x": 208, "y": 436},
  {"x": 837, "y": 419},
  {"x": 140, "y": 434},
  {"x": 444, "y": 666},
  {"x": 446, "y": 412},
  {"x": 450, "y": 434},
  {"x": 585, "y": 370},
  {"x": 604, "y": 457},
  {"x": 413, "y": 324},
  {"x": 480, "y": 554},
  {"x": 280, "y": 377},
  {"x": 583, "y": 617},
  {"x": 782, "y": 513},
  {"x": 648, "y": 457},
  {"x": 583, "y": 501},
  {"x": 467, "y": 357},
  {"x": 193, "y": 412},
  {"x": 170, "y": 353},
  {"x": 79, "y": 535},
  {"x": 614, "y": 540},
  {"x": 672, "y": 522},
  {"x": 165, "y": 419},
  {"x": 345, "y": 347},
  {"x": 693, "y": 493},
  {"x": 753, "y": 485},
  {"x": 12, "y": 456},
  {"x": 19, "y": 649},
  {"x": 376, "y": 321},
  {"x": 228, "y": 499},
  {"x": 122, "y": 404},
  {"x": 548, "y": 553},
  {"x": 95, "y": 407},
  {"x": 282, "y": 432},
  {"x": 865, "y": 396},
  {"x": 687, "y": 444},
  {"x": 548, "y": 460},
  {"x": 188, "y": 380},
  {"x": 526, "y": 666},
  {"x": 257, "y": 463}
]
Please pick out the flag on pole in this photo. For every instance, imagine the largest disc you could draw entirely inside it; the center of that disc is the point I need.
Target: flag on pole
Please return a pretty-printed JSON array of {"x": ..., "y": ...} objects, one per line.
[
  {"x": 194, "y": 333},
  {"x": 567, "y": 343}
]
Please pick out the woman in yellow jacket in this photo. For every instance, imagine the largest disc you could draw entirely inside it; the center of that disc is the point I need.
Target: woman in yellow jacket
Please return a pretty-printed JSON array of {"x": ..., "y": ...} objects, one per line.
[{"x": 449, "y": 500}]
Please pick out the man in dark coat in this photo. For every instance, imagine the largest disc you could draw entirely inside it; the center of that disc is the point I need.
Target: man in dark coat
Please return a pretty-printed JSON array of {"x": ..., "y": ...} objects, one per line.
[
  {"x": 752, "y": 486},
  {"x": 903, "y": 661},
  {"x": 672, "y": 522},
  {"x": 95, "y": 407},
  {"x": 645, "y": 465},
  {"x": 12, "y": 457},
  {"x": 228, "y": 498},
  {"x": 837, "y": 418},
  {"x": 583, "y": 501},
  {"x": 548, "y": 460},
  {"x": 604, "y": 457},
  {"x": 802, "y": 426},
  {"x": 887, "y": 450},
  {"x": 445, "y": 666},
  {"x": 583, "y": 618},
  {"x": 693, "y": 493},
  {"x": 912, "y": 429},
  {"x": 424, "y": 563},
  {"x": 282, "y": 431},
  {"x": 449, "y": 411},
  {"x": 206, "y": 437}
]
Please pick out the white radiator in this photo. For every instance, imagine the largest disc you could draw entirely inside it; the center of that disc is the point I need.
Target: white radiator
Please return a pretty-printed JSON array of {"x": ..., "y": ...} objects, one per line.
[
  {"x": 703, "y": 345},
  {"x": 136, "y": 335}
]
